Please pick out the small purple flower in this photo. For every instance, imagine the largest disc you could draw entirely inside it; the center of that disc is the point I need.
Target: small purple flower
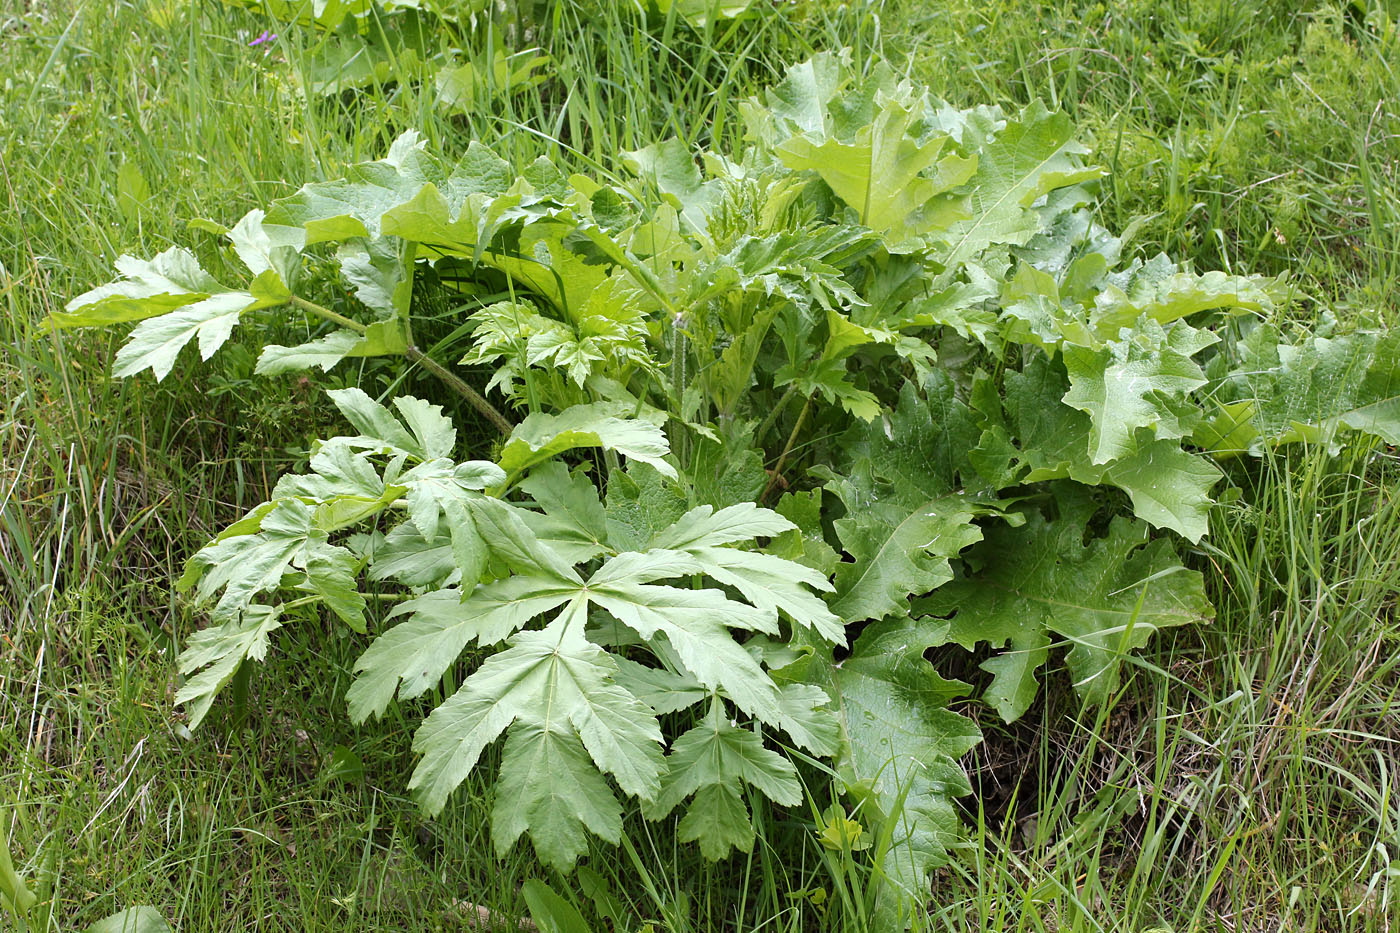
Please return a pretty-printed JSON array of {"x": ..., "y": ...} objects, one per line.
[{"x": 267, "y": 36}]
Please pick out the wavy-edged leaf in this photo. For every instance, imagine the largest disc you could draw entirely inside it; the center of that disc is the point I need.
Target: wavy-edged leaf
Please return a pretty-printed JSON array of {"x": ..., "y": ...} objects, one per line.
[
  {"x": 1314, "y": 390},
  {"x": 555, "y": 686},
  {"x": 1138, "y": 381},
  {"x": 1106, "y": 596},
  {"x": 900, "y": 750},
  {"x": 1168, "y": 486},
  {"x": 905, "y": 518}
]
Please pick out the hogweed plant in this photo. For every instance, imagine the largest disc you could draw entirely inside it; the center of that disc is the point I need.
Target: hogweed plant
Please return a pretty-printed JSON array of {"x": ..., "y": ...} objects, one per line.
[{"x": 774, "y": 424}]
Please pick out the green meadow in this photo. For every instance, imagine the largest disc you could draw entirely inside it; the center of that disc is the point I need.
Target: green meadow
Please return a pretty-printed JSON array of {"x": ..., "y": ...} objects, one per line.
[{"x": 760, "y": 343}]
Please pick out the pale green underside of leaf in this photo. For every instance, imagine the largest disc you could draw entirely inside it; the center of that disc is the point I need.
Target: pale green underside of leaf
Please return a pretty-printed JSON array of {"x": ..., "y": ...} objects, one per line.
[
  {"x": 223, "y": 648},
  {"x": 601, "y": 424}
]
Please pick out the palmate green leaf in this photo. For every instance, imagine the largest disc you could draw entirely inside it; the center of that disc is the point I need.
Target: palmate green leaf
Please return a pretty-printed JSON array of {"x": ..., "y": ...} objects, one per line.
[
  {"x": 287, "y": 539},
  {"x": 799, "y": 103},
  {"x": 1031, "y": 155},
  {"x": 802, "y": 266},
  {"x": 559, "y": 671},
  {"x": 606, "y": 334},
  {"x": 1139, "y": 381},
  {"x": 542, "y": 436},
  {"x": 640, "y": 505},
  {"x": 899, "y": 752},
  {"x": 424, "y": 434},
  {"x": 573, "y": 521},
  {"x": 553, "y": 685},
  {"x": 1105, "y": 596},
  {"x": 412, "y": 656},
  {"x": 330, "y": 574},
  {"x": 694, "y": 624},
  {"x": 405, "y": 555},
  {"x": 696, "y": 544},
  {"x": 551, "y": 788},
  {"x": 323, "y": 353},
  {"x": 342, "y": 489},
  {"x": 242, "y": 566},
  {"x": 156, "y": 342},
  {"x": 220, "y": 650},
  {"x": 727, "y": 469},
  {"x": 265, "y": 247},
  {"x": 382, "y": 273},
  {"x": 805, "y": 543},
  {"x": 899, "y": 548}
]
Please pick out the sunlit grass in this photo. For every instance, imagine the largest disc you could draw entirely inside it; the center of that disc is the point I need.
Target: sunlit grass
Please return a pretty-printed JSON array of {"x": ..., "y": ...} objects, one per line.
[{"x": 1243, "y": 778}]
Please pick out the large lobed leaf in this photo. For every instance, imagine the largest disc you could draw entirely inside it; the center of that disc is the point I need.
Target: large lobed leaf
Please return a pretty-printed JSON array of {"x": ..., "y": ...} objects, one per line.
[
  {"x": 1104, "y": 596},
  {"x": 899, "y": 752}
]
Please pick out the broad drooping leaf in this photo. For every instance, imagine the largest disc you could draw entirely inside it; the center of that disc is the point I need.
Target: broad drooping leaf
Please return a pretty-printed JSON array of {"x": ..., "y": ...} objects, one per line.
[
  {"x": 1313, "y": 390},
  {"x": 1018, "y": 162},
  {"x": 1168, "y": 486},
  {"x": 899, "y": 180},
  {"x": 900, "y": 746},
  {"x": 1163, "y": 292},
  {"x": 1104, "y": 596},
  {"x": 352, "y": 207}
]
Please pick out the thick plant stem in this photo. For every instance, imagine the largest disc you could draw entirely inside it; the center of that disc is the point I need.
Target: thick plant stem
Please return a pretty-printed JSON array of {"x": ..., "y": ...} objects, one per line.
[
  {"x": 678, "y": 351},
  {"x": 787, "y": 449},
  {"x": 455, "y": 383},
  {"x": 447, "y": 376},
  {"x": 328, "y": 314},
  {"x": 772, "y": 418}
]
